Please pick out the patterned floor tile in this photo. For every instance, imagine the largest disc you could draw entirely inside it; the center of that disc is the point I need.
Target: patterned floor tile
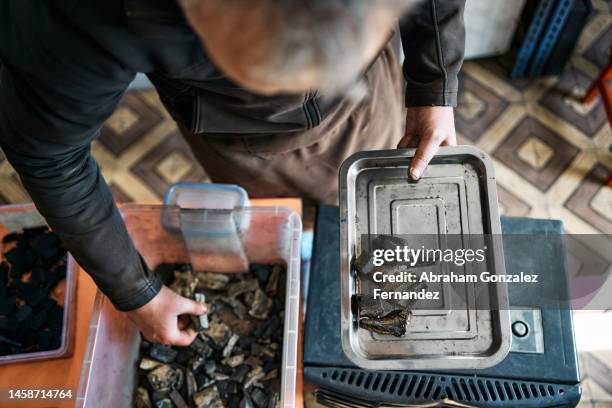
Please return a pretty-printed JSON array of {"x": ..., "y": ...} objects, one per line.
[
  {"x": 536, "y": 152},
  {"x": 564, "y": 103},
  {"x": 493, "y": 73},
  {"x": 477, "y": 108},
  {"x": 169, "y": 162},
  {"x": 592, "y": 200},
  {"x": 510, "y": 205},
  {"x": 597, "y": 53},
  {"x": 599, "y": 373},
  {"x": 133, "y": 118}
]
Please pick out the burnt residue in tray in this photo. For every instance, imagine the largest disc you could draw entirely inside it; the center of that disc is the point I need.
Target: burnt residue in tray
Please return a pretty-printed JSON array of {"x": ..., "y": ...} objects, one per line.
[
  {"x": 386, "y": 317},
  {"x": 392, "y": 324},
  {"x": 235, "y": 361},
  {"x": 33, "y": 263}
]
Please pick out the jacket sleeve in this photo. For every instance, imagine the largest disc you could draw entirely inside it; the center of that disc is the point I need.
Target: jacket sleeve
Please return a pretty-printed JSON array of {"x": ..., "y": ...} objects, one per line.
[
  {"x": 433, "y": 39},
  {"x": 47, "y": 122}
]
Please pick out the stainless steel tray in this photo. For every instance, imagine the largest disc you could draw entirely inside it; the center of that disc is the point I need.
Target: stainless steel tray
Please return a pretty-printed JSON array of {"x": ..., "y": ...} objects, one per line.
[{"x": 456, "y": 195}]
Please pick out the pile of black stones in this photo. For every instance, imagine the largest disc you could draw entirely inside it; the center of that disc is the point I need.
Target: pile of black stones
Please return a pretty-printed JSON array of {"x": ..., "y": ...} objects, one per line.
[
  {"x": 235, "y": 360},
  {"x": 33, "y": 263}
]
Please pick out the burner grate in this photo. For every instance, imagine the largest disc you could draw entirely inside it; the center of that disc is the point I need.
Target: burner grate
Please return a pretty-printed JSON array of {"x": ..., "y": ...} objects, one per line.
[{"x": 417, "y": 387}]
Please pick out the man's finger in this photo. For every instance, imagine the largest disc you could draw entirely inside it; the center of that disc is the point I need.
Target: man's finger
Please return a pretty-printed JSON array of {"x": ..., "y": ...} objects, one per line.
[
  {"x": 184, "y": 337},
  {"x": 426, "y": 150},
  {"x": 188, "y": 306},
  {"x": 450, "y": 141},
  {"x": 407, "y": 141}
]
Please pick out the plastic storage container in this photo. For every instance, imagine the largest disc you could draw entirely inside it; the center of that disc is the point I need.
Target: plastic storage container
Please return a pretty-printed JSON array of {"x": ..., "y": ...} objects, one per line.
[
  {"x": 109, "y": 366},
  {"x": 14, "y": 218}
]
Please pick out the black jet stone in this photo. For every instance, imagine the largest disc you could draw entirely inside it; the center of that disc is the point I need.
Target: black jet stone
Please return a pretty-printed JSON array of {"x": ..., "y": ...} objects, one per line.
[
  {"x": 8, "y": 305},
  {"x": 7, "y": 324},
  {"x": 37, "y": 321},
  {"x": 55, "y": 317},
  {"x": 46, "y": 339},
  {"x": 163, "y": 353},
  {"x": 36, "y": 297},
  {"x": 262, "y": 272},
  {"x": 259, "y": 397},
  {"x": 21, "y": 259},
  {"x": 32, "y": 232},
  {"x": 184, "y": 355},
  {"x": 22, "y": 313},
  {"x": 46, "y": 304}
]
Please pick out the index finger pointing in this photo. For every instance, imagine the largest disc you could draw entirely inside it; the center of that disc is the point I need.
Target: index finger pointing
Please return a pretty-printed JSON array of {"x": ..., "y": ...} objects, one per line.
[{"x": 425, "y": 152}]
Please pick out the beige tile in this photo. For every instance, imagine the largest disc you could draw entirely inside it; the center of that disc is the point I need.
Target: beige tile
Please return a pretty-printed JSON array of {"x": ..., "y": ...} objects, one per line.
[
  {"x": 499, "y": 85},
  {"x": 535, "y": 153},
  {"x": 123, "y": 119},
  {"x": 593, "y": 331},
  {"x": 174, "y": 167}
]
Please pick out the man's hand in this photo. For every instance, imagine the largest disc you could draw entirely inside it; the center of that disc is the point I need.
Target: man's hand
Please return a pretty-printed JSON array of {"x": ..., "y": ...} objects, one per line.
[
  {"x": 427, "y": 128},
  {"x": 158, "y": 320}
]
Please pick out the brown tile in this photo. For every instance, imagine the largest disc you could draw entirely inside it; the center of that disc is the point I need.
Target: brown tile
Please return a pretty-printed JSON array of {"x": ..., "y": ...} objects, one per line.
[
  {"x": 519, "y": 151},
  {"x": 597, "y": 53},
  {"x": 477, "y": 109},
  {"x": 133, "y": 118},
  {"x": 565, "y": 103},
  {"x": 590, "y": 201},
  {"x": 175, "y": 149},
  {"x": 511, "y": 205},
  {"x": 501, "y": 67}
]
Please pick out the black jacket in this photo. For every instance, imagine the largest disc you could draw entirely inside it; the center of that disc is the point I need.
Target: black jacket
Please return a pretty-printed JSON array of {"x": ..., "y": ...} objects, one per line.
[{"x": 66, "y": 65}]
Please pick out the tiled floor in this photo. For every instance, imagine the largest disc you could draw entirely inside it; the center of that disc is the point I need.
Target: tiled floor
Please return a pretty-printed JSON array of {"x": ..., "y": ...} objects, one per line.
[{"x": 551, "y": 154}]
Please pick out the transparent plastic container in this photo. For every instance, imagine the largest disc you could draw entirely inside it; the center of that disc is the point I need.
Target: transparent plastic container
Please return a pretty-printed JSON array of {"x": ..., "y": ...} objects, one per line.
[
  {"x": 109, "y": 368},
  {"x": 14, "y": 218}
]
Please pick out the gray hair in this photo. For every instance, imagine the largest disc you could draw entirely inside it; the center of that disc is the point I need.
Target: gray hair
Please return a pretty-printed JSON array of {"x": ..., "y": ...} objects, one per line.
[{"x": 327, "y": 37}]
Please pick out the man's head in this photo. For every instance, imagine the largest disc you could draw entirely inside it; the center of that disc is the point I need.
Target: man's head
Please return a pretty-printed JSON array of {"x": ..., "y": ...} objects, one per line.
[{"x": 275, "y": 46}]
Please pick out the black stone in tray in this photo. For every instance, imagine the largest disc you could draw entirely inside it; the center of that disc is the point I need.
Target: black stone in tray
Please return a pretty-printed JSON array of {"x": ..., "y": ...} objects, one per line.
[{"x": 30, "y": 320}]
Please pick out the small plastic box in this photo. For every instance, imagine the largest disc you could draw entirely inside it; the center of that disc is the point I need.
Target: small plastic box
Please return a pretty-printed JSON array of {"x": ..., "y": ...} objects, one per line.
[
  {"x": 14, "y": 218},
  {"x": 109, "y": 367}
]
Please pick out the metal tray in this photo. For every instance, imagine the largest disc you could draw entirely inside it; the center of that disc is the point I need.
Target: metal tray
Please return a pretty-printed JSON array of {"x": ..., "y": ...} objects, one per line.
[{"x": 456, "y": 195}]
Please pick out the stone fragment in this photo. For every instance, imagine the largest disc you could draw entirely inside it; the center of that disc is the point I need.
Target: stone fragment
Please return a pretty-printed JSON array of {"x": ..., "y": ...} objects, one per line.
[
  {"x": 163, "y": 403},
  {"x": 141, "y": 398},
  {"x": 240, "y": 287},
  {"x": 212, "y": 281},
  {"x": 260, "y": 306},
  {"x": 233, "y": 361},
  {"x": 272, "y": 285},
  {"x": 227, "y": 351},
  {"x": 203, "y": 318},
  {"x": 184, "y": 283},
  {"x": 255, "y": 375},
  {"x": 259, "y": 397},
  {"x": 219, "y": 333},
  {"x": 177, "y": 399},
  {"x": 191, "y": 385},
  {"x": 149, "y": 364},
  {"x": 165, "y": 377},
  {"x": 208, "y": 398},
  {"x": 163, "y": 353}
]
